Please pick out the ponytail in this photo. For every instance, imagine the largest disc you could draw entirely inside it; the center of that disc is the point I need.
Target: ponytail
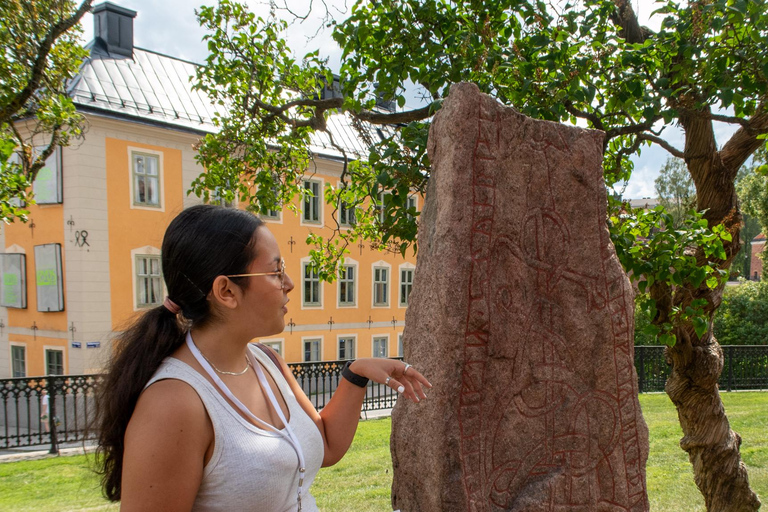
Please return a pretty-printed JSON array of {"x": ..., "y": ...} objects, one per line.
[{"x": 136, "y": 356}]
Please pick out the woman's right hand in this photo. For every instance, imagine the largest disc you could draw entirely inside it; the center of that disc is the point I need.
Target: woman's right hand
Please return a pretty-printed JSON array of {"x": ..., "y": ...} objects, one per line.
[{"x": 393, "y": 373}]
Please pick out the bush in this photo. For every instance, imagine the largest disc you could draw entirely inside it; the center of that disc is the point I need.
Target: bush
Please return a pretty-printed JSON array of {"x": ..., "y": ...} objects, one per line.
[
  {"x": 742, "y": 318},
  {"x": 642, "y": 323}
]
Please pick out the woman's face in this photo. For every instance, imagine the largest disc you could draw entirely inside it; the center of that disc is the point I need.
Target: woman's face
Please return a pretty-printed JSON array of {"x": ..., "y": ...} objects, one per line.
[{"x": 264, "y": 299}]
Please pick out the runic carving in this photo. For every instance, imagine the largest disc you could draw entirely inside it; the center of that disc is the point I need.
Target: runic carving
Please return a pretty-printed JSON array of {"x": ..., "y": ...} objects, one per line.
[{"x": 522, "y": 318}]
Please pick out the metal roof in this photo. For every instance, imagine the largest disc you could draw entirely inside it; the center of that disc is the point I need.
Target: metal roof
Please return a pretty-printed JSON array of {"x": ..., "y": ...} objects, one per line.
[{"x": 155, "y": 88}]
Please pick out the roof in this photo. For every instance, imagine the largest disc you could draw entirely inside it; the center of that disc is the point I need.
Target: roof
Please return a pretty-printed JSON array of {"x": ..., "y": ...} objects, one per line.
[
  {"x": 759, "y": 238},
  {"x": 156, "y": 88},
  {"x": 646, "y": 202}
]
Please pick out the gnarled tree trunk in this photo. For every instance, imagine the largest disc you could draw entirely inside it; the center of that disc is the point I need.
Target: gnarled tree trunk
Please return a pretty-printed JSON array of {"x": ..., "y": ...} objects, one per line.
[{"x": 713, "y": 448}]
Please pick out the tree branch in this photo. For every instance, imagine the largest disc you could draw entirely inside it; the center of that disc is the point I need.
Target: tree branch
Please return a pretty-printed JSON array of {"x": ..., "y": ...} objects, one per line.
[
  {"x": 626, "y": 19},
  {"x": 38, "y": 68},
  {"x": 744, "y": 142},
  {"x": 631, "y": 129},
  {"x": 661, "y": 142},
  {"x": 596, "y": 121},
  {"x": 397, "y": 117}
]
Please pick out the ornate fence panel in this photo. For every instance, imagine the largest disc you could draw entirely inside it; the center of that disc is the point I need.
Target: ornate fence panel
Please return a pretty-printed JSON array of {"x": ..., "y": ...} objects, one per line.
[
  {"x": 70, "y": 398},
  {"x": 56, "y": 409},
  {"x": 319, "y": 381},
  {"x": 745, "y": 367},
  {"x": 45, "y": 410}
]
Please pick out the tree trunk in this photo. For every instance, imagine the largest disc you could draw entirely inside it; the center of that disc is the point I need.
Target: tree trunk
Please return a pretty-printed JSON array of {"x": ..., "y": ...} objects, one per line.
[{"x": 712, "y": 447}]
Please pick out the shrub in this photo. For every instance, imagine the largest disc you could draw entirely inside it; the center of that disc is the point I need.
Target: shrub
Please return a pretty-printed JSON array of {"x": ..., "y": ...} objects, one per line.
[{"x": 742, "y": 318}]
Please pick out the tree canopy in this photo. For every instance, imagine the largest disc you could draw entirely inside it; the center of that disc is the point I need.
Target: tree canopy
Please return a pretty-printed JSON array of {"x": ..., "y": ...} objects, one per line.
[
  {"x": 675, "y": 190},
  {"x": 41, "y": 53},
  {"x": 588, "y": 60}
]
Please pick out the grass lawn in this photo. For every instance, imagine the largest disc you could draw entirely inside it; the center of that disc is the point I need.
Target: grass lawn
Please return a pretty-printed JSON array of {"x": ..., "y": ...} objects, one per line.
[{"x": 362, "y": 480}]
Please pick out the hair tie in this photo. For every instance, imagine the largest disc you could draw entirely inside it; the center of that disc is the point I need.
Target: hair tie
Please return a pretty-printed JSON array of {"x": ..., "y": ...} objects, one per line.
[{"x": 171, "y": 306}]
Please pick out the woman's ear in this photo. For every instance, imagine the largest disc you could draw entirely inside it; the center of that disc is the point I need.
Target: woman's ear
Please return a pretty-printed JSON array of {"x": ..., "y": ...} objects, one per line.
[{"x": 225, "y": 293}]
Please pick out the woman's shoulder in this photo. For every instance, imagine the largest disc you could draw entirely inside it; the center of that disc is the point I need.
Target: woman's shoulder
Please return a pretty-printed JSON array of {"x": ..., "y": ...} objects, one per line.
[{"x": 171, "y": 397}]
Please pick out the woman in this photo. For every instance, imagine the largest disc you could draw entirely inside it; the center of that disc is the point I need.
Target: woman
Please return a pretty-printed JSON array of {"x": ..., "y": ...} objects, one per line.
[{"x": 194, "y": 417}]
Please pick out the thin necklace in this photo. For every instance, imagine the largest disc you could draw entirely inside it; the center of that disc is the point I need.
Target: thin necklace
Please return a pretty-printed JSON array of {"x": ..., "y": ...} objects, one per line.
[{"x": 247, "y": 365}]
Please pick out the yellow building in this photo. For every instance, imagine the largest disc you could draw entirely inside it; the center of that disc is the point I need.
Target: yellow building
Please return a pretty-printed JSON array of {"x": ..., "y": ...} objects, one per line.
[{"x": 88, "y": 260}]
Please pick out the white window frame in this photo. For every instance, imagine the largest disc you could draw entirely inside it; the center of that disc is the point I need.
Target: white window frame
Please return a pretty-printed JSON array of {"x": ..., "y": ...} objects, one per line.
[
  {"x": 160, "y": 179},
  {"x": 405, "y": 266},
  {"x": 305, "y": 339},
  {"x": 346, "y": 224},
  {"x": 53, "y": 348},
  {"x": 381, "y": 265},
  {"x": 13, "y": 344},
  {"x": 304, "y": 305},
  {"x": 379, "y": 206},
  {"x": 349, "y": 262},
  {"x": 400, "y": 349},
  {"x": 412, "y": 198},
  {"x": 216, "y": 198},
  {"x": 276, "y": 219},
  {"x": 373, "y": 344},
  {"x": 147, "y": 250},
  {"x": 275, "y": 342},
  {"x": 319, "y": 197},
  {"x": 353, "y": 337}
]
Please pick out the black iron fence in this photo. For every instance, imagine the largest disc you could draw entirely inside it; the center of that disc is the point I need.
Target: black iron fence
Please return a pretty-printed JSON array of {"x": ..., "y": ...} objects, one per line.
[
  {"x": 53, "y": 410},
  {"x": 745, "y": 367},
  {"x": 56, "y": 409}
]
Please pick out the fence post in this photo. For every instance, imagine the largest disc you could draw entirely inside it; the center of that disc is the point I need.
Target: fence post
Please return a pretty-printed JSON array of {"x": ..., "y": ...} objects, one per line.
[
  {"x": 641, "y": 376},
  {"x": 52, "y": 415},
  {"x": 730, "y": 366}
]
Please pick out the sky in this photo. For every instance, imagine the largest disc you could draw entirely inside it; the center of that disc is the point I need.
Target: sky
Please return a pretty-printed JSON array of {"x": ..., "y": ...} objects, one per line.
[{"x": 170, "y": 27}]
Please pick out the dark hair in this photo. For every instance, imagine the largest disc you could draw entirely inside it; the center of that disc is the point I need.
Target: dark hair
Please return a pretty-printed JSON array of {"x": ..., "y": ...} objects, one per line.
[{"x": 201, "y": 243}]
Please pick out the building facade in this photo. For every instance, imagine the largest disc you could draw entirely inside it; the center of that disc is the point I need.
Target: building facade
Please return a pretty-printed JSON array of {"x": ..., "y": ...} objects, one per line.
[
  {"x": 88, "y": 261},
  {"x": 756, "y": 263}
]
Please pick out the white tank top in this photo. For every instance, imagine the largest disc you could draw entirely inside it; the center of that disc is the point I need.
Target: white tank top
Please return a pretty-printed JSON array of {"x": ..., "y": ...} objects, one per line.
[{"x": 251, "y": 468}]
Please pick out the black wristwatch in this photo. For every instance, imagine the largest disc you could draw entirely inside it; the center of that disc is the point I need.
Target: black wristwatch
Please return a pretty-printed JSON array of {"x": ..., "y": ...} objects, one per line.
[{"x": 357, "y": 380}]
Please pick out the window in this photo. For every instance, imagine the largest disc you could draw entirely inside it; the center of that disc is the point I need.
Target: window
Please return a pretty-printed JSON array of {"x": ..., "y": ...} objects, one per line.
[
  {"x": 346, "y": 347},
  {"x": 400, "y": 345},
  {"x": 381, "y": 206},
  {"x": 47, "y": 185},
  {"x": 406, "y": 285},
  {"x": 267, "y": 213},
  {"x": 380, "y": 346},
  {"x": 347, "y": 285},
  {"x": 218, "y": 197},
  {"x": 48, "y": 278},
  {"x": 312, "y": 202},
  {"x": 346, "y": 215},
  {"x": 149, "y": 281},
  {"x": 146, "y": 179},
  {"x": 54, "y": 362},
  {"x": 18, "y": 361},
  {"x": 13, "y": 287},
  {"x": 275, "y": 345},
  {"x": 380, "y": 286},
  {"x": 411, "y": 203},
  {"x": 311, "y": 286},
  {"x": 311, "y": 350}
]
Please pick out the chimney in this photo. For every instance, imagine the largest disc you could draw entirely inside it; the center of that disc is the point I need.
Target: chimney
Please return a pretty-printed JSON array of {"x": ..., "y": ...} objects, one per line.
[{"x": 113, "y": 27}]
